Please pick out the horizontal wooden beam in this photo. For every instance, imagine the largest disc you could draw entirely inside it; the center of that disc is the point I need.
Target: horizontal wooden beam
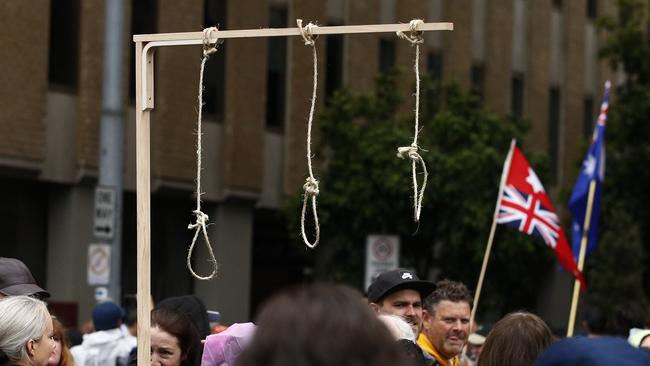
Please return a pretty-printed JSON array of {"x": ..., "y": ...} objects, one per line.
[{"x": 189, "y": 38}]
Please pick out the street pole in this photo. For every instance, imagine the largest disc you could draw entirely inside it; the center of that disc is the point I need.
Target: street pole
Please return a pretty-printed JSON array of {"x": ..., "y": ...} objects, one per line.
[{"x": 112, "y": 137}]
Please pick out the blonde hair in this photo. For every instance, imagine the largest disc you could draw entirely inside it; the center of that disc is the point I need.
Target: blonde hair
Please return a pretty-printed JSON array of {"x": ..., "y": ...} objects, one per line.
[{"x": 23, "y": 318}]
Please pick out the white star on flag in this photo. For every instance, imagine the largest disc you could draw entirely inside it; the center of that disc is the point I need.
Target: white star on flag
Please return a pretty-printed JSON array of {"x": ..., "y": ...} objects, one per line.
[
  {"x": 534, "y": 181},
  {"x": 590, "y": 165}
]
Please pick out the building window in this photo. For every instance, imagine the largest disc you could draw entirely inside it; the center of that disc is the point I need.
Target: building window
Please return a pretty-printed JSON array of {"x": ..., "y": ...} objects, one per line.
[
  {"x": 518, "y": 95},
  {"x": 276, "y": 87},
  {"x": 554, "y": 132},
  {"x": 478, "y": 79},
  {"x": 434, "y": 64},
  {"x": 386, "y": 54},
  {"x": 334, "y": 74},
  {"x": 557, "y": 4},
  {"x": 588, "y": 122},
  {"x": 143, "y": 21},
  {"x": 214, "y": 78},
  {"x": 592, "y": 9},
  {"x": 64, "y": 44}
]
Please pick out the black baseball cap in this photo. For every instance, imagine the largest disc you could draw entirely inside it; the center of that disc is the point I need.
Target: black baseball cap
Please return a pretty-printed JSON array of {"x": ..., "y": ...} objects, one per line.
[
  {"x": 16, "y": 279},
  {"x": 395, "y": 280}
]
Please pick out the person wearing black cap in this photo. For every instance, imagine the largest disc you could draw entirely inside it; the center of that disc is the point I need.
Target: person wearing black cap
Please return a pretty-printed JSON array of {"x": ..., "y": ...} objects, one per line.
[{"x": 400, "y": 292}]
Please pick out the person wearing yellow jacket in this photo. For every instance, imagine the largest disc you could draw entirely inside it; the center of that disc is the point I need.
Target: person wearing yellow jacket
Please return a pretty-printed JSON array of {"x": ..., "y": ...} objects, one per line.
[{"x": 446, "y": 323}]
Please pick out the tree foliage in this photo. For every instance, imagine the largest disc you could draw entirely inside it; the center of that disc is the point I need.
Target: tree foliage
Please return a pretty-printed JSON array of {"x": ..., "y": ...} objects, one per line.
[
  {"x": 365, "y": 189},
  {"x": 619, "y": 268}
]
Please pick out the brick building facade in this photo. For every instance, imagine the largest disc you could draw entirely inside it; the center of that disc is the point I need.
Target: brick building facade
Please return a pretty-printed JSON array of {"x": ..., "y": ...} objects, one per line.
[{"x": 535, "y": 59}]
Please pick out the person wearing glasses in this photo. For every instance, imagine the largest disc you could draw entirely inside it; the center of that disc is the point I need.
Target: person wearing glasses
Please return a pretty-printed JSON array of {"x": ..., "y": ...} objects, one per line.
[{"x": 26, "y": 331}]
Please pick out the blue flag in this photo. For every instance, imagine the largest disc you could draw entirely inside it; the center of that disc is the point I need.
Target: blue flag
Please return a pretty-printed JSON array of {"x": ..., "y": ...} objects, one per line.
[{"x": 593, "y": 169}]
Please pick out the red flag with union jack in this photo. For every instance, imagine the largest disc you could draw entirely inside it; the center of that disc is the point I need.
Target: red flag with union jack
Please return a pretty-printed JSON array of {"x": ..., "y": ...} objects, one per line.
[{"x": 524, "y": 204}]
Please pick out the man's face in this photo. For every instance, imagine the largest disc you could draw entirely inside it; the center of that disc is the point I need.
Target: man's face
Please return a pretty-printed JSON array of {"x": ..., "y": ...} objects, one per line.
[
  {"x": 448, "y": 327},
  {"x": 406, "y": 304}
]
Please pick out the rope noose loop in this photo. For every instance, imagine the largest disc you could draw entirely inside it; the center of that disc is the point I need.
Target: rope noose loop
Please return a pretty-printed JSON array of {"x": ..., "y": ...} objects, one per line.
[
  {"x": 201, "y": 218},
  {"x": 415, "y": 38},
  {"x": 311, "y": 184}
]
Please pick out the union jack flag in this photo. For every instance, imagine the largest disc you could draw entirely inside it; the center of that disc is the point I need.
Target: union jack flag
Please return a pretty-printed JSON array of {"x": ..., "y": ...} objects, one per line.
[
  {"x": 528, "y": 215},
  {"x": 524, "y": 205}
]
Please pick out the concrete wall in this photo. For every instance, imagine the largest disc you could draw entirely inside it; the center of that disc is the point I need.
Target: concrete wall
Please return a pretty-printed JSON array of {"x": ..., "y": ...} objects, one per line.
[{"x": 69, "y": 233}]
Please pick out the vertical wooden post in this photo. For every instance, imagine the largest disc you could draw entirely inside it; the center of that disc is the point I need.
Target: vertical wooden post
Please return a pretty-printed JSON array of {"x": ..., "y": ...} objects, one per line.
[
  {"x": 581, "y": 258},
  {"x": 143, "y": 190}
]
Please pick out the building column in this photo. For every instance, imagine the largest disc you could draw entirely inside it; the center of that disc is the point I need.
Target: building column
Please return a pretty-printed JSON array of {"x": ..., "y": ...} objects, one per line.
[
  {"x": 69, "y": 231},
  {"x": 232, "y": 242}
]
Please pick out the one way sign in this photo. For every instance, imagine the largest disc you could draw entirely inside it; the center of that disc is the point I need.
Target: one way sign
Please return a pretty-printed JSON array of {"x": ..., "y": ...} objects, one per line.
[{"x": 104, "y": 213}]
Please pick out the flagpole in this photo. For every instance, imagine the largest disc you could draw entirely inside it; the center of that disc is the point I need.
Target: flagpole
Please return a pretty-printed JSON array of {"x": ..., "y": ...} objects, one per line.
[
  {"x": 581, "y": 257},
  {"x": 486, "y": 257}
]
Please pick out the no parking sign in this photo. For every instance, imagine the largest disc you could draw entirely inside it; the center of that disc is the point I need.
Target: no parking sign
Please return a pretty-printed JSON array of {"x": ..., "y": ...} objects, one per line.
[
  {"x": 382, "y": 254},
  {"x": 99, "y": 264}
]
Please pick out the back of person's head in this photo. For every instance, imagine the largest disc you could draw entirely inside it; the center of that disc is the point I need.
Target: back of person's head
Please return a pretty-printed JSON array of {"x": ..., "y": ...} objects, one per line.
[
  {"x": 17, "y": 280},
  {"x": 595, "y": 321},
  {"x": 447, "y": 290},
  {"x": 397, "y": 327},
  {"x": 626, "y": 316},
  {"x": 107, "y": 315},
  {"x": 324, "y": 325},
  {"x": 515, "y": 340},
  {"x": 179, "y": 325},
  {"x": 412, "y": 352},
  {"x": 21, "y": 318},
  {"x": 598, "y": 351}
]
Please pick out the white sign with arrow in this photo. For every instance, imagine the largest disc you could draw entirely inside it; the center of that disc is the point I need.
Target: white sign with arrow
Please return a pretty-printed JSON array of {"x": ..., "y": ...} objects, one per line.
[{"x": 104, "y": 222}]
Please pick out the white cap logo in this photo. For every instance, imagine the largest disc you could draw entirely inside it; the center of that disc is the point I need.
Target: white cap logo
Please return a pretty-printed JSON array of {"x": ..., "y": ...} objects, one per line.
[{"x": 406, "y": 275}]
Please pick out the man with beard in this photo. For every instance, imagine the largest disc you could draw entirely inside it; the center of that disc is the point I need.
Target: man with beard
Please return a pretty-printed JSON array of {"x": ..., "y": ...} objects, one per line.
[
  {"x": 400, "y": 292},
  {"x": 446, "y": 323}
]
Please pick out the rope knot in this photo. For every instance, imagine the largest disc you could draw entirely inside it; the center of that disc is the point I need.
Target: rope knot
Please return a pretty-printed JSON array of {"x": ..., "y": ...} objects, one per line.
[
  {"x": 201, "y": 220},
  {"x": 208, "y": 47},
  {"x": 311, "y": 187},
  {"x": 414, "y": 36},
  {"x": 307, "y": 32},
  {"x": 409, "y": 151}
]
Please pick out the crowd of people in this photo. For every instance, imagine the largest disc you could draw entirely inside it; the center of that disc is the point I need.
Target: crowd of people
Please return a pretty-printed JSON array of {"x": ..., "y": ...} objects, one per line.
[{"x": 402, "y": 321}]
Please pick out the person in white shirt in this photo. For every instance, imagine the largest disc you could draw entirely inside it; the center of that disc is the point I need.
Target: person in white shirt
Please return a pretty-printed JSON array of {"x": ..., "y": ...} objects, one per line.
[{"x": 108, "y": 345}]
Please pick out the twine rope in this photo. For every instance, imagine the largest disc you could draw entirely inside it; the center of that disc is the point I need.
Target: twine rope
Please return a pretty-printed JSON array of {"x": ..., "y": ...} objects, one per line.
[
  {"x": 411, "y": 152},
  {"x": 311, "y": 184},
  {"x": 201, "y": 218}
]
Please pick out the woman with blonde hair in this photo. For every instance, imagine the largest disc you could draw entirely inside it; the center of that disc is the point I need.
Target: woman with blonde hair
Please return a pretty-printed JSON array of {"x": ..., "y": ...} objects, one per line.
[
  {"x": 26, "y": 334},
  {"x": 61, "y": 355}
]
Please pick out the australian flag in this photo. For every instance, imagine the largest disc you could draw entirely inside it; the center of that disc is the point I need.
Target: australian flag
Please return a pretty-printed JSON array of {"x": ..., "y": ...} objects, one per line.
[{"x": 593, "y": 169}]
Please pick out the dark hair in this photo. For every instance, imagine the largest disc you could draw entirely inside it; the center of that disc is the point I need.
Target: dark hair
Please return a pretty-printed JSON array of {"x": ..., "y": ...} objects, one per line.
[
  {"x": 516, "y": 340},
  {"x": 413, "y": 352},
  {"x": 595, "y": 320},
  {"x": 180, "y": 326},
  {"x": 447, "y": 290},
  {"x": 626, "y": 316},
  {"x": 319, "y": 325}
]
